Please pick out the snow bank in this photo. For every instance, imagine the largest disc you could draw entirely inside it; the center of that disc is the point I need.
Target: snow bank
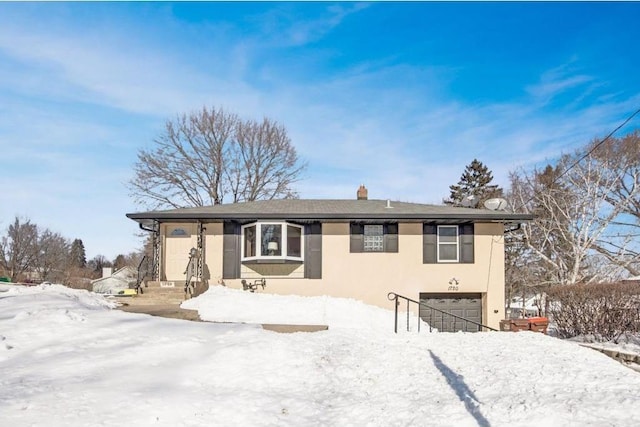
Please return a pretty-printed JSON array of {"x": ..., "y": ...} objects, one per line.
[
  {"x": 66, "y": 359},
  {"x": 222, "y": 304}
]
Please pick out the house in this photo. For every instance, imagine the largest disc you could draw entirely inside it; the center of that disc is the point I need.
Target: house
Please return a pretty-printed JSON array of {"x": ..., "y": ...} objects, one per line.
[
  {"x": 113, "y": 283},
  {"x": 518, "y": 308},
  {"x": 632, "y": 279},
  {"x": 451, "y": 257}
]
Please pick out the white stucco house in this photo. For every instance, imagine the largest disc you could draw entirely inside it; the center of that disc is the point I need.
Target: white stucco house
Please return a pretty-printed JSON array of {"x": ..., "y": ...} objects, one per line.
[
  {"x": 449, "y": 257},
  {"x": 121, "y": 279}
]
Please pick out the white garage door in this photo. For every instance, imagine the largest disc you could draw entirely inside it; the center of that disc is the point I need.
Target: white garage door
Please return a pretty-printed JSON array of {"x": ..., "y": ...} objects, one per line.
[{"x": 466, "y": 306}]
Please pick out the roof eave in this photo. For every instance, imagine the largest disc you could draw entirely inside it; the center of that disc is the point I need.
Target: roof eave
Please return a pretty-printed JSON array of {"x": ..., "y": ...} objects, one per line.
[{"x": 166, "y": 217}]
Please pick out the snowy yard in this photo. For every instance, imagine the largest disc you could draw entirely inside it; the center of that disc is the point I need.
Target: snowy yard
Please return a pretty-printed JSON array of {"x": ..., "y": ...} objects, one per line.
[{"x": 68, "y": 359}]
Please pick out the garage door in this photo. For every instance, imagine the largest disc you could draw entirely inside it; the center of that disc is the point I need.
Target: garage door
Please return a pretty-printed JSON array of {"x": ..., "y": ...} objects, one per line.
[{"x": 467, "y": 306}]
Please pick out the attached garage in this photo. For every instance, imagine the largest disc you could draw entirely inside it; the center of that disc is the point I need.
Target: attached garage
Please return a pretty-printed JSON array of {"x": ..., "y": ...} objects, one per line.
[{"x": 467, "y": 306}]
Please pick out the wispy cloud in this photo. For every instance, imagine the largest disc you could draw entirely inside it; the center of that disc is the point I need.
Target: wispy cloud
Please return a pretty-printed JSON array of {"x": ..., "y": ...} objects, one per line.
[
  {"x": 285, "y": 28},
  {"x": 562, "y": 80},
  {"x": 75, "y": 106}
]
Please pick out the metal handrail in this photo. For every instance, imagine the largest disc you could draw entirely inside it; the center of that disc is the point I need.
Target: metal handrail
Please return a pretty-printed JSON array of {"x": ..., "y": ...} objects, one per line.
[
  {"x": 189, "y": 274},
  {"x": 141, "y": 277},
  {"x": 392, "y": 296}
]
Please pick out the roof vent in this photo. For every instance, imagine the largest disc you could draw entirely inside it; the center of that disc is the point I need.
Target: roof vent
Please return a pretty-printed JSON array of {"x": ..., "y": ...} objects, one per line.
[{"x": 389, "y": 204}]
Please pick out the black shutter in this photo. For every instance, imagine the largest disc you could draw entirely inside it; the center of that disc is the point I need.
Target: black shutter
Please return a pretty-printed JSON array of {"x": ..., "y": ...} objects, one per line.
[
  {"x": 429, "y": 244},
  {"x": 357, "y": 238},
  {"x": 313, "y": 251},
  {"x": 231, "y": 250},
  {"x": 391, "y": 238},
  {"x": 466, "y": 243}
]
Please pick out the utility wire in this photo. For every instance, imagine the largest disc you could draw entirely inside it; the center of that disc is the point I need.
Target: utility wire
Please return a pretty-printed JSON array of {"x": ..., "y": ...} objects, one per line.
[{"x": 595, "y": 147}]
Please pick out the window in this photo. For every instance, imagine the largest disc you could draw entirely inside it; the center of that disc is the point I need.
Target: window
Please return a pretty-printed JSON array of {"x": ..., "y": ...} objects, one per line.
[
  {"x": 178, "y": 232},
  {"x": 272, "y": 240},
  {"x": 294, "y": 241},
  {"x": 249, "y": 242},
  {"x": 447, "y": 243},
  {"x": 373, "y": 237}
]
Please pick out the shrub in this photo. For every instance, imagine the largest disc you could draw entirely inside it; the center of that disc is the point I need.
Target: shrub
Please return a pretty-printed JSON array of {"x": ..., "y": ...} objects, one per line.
[{"x": 605, "y": 311}]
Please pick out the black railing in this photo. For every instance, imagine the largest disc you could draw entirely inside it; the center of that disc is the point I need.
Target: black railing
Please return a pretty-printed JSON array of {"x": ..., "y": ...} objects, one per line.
[
  {"x": 143, "y": 271},
  {"x": 252, "y": 287},
  {"x": 190, "y": 272},
  {"x": 455, "y": 318}
]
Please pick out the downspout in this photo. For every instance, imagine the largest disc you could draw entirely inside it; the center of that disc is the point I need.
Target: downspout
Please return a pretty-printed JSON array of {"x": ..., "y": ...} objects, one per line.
[
  {"x": 516, "y": 228},
  {"x": 155, "y": 270},
  {"x": 146, "y": 229}
]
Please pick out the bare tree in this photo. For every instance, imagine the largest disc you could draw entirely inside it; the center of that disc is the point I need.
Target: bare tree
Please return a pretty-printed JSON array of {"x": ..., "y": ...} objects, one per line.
[
  {"x": 265, "y": 163},
  {"x": 572, "y": 216},
  {"x": 18, "y": 248},
  {"x": 620, "y": 159},
  {"x": 52, "y": 257},
  {"x": 205, "y": 156},
  {"x": 97, "y": 263}
]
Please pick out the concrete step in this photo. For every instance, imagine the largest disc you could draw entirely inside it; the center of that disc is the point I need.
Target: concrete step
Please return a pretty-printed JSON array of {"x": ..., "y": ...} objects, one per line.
[
  {"x": 159, "y": 292},
  {"x": 166, "y": 284},
  {"x": 162, "y": 293},
  {"x": 152, "y": 300}
]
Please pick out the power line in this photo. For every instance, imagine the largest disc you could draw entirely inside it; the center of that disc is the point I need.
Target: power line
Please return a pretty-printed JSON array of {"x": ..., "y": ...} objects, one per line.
[{"x": 595, "y": 147}]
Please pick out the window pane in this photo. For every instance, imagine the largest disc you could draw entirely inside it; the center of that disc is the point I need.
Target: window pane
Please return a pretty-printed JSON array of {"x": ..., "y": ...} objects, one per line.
[
  {"x": 250, "y": 241},
  {"x": 448, "y": 252},
  {"x": 178, "y": 232},
  {"x": 373, "y": 238},
  {"x": 448, "y": 234},
  {"x": 294, "y": 241},
  {"x": 271, "y": 244}
]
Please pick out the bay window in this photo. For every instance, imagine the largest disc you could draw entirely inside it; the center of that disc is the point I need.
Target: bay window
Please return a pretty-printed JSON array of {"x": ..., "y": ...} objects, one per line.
[{"x": 272, "y": 241}]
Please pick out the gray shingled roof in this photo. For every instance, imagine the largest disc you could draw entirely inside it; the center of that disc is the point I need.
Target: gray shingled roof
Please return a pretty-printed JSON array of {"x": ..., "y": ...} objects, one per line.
[{"x": 329, "y": 210}]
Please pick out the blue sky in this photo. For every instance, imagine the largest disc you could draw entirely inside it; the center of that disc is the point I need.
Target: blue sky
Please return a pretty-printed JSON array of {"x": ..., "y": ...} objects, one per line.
[{"x": 396, "y": 96}]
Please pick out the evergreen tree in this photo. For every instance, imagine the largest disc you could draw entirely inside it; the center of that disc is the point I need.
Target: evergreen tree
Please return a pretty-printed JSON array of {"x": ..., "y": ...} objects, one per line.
[
  {"x": 119, "y": 262},
  {"x": 78, "y": 256},
  {"x": 474, "y": 185}
]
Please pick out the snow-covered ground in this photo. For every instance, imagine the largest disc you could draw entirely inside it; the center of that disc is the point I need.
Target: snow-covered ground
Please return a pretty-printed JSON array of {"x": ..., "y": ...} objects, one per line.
[{"x": 68, "y": 359}]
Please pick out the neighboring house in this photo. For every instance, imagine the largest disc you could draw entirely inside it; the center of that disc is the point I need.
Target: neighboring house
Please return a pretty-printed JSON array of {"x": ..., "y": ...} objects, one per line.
[
  {"x": 530, "y": 308},
  {"x": 451, "y": 257},
  {"x": 123, "y": 278}
]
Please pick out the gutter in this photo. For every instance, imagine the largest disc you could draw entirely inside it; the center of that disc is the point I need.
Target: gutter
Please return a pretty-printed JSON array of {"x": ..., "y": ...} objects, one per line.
[{"x": 142, "y": 227}]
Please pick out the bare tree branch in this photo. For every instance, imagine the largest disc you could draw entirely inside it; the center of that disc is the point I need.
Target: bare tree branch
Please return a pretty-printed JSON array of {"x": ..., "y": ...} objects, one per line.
[
  {"x": 202, "y": 158},
  {"x": 18, "y": 248}
]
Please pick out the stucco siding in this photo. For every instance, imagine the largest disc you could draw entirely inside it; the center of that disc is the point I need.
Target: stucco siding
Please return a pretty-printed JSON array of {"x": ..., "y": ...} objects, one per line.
[{"x": 368, "y": 276}]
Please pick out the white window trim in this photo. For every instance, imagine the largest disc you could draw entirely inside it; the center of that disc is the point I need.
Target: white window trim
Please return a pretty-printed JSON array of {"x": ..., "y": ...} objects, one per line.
[
  {"x": 284, "y": 236},
  {"x": 456, "y": 243}
]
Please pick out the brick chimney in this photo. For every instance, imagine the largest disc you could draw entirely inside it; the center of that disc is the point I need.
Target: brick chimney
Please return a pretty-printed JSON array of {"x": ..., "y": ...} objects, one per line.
[{"x": 362, "y": 192}]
